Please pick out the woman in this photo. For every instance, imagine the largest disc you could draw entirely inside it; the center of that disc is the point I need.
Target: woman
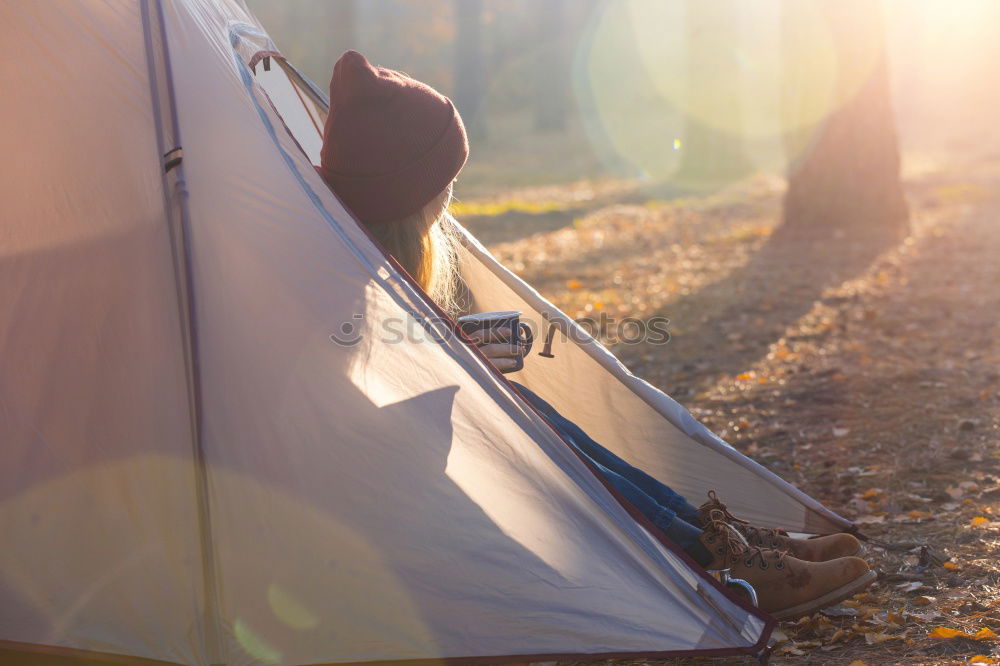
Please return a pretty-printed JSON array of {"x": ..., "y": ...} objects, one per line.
[{"x": 392, "y": 148}]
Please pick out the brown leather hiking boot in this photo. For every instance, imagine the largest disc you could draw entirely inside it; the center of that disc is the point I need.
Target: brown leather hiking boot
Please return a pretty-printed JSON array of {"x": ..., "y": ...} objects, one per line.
[
  {"x": 786, "y": 587},
  {"x": 816, "y": 549}
]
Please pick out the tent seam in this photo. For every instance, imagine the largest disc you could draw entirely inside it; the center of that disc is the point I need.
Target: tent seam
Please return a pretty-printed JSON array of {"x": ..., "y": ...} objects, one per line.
[{"x": 184, "y": 280}]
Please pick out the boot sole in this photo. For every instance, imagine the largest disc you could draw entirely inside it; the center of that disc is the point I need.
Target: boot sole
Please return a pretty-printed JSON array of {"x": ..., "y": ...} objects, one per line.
[{"x": 828, "y": 599}]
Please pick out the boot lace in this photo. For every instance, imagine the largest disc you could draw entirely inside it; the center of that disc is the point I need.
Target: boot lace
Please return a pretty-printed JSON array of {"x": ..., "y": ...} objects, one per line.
[
  {"x": 763, "y": 537},
  {"x": 734, "y": 547}
]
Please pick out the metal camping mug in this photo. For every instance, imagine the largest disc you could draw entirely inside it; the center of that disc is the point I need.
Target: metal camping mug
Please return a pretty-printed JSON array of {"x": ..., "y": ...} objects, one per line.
[
  {"x": 520, "y": 341},
  {"x": 723, "y": 576}
]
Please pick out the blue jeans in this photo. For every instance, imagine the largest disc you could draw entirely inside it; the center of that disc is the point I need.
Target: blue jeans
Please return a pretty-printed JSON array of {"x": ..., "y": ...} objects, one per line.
[{"x": 656, "y": 501}]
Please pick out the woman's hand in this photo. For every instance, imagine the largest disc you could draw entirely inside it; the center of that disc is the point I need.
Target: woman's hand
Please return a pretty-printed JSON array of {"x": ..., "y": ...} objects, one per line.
[{"x": 495, "y": 345}]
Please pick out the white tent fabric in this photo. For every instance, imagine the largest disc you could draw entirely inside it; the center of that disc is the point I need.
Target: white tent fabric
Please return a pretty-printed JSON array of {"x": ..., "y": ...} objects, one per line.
[
  {"x": 640, "y": 423},
  {"x": 194, "y": 471}
]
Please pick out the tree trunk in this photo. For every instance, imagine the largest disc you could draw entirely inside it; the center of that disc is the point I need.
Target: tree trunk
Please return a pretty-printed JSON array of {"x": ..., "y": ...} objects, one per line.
[
  {"x": 711, "y": 155},
  {"x": 844, "y": 177},
  {"x": 552, "y": 74},
  {"x": 469, "y": 63},
  {"x": 342, "y": 19}
]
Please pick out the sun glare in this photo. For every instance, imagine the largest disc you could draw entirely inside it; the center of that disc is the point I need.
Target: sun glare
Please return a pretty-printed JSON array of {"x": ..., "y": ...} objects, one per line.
[{"x": 725, "y": 68}]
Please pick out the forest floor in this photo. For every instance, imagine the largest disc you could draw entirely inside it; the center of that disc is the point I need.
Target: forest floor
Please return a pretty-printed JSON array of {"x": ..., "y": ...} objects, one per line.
[{"x": 868, "y": 376}]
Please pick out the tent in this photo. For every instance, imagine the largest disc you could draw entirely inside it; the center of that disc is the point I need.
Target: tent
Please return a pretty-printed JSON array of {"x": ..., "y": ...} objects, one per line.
[{"x": 215, "y": 450}]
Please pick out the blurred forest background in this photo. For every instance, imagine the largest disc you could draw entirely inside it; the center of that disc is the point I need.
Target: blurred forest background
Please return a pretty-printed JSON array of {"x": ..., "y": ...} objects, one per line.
[{"x": 694, "y": 94}]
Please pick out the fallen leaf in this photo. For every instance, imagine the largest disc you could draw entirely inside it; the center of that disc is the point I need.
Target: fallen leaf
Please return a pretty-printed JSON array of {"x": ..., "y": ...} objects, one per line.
[
  {"x": 867, "y": 611},
  {"x": 874, "y": 638},
  {"x": 983, "y": 634},
  {"x": 840, "y": 634},
  {"x": 981, "y": 659},
  {"x": 950, "y": 565},
  {"x": 857, "y": 662},
  {"x": 869, "y": 519},
  {"x": 839, "y": 611},
  {"x": 925, "y": 617},
  {"x": 945, "y": 633},
  {"x": 858, "y": 505},
  {"x": 979, "y": 521},
  {"x": 573, "y": 284}
]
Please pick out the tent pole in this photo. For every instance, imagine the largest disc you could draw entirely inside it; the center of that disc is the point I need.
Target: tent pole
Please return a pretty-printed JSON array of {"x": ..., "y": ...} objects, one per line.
[{"x": 180, "y": 239}]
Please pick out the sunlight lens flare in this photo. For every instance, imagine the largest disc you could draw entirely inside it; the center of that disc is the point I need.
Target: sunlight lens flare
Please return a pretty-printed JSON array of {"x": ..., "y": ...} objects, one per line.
[
  {"x": 254, "y": 645},
  {"x": 711, "y": 89},
  {"x": 290, "y": 610}
]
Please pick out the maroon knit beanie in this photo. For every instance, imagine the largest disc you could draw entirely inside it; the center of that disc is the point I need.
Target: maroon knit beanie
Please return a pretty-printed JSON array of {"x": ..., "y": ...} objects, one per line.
[{"x": 391, "y": 143}]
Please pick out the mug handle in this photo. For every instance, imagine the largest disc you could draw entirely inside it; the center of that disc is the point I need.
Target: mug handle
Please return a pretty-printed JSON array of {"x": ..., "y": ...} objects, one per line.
[
  {"x": 525, "y": 335},
  {"x": 746, "y": 587}
]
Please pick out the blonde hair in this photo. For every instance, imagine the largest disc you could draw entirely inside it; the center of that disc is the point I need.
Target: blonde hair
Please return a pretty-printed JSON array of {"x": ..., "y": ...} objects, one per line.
[{"x": 425, "y": 244}]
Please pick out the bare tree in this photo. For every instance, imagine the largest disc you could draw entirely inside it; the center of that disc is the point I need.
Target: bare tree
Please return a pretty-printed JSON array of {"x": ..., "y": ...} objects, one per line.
[
  {"x": 469, "y": 62},
  {"x": 712, "y": 155},
  {"x": 552, "y": 74},
  {"x": 342, "y": 19},
  {"x": 311, "y": 34},
  {"x": 844, "y": 176}
]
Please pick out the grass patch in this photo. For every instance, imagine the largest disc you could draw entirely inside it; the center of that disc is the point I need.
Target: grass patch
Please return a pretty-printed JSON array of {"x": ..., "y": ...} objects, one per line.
[{"x": 503, "y": 207}]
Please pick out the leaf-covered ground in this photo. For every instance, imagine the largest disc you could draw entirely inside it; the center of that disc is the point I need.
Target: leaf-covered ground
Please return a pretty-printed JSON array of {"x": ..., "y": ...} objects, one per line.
[{"x": 867, "y": 376}]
